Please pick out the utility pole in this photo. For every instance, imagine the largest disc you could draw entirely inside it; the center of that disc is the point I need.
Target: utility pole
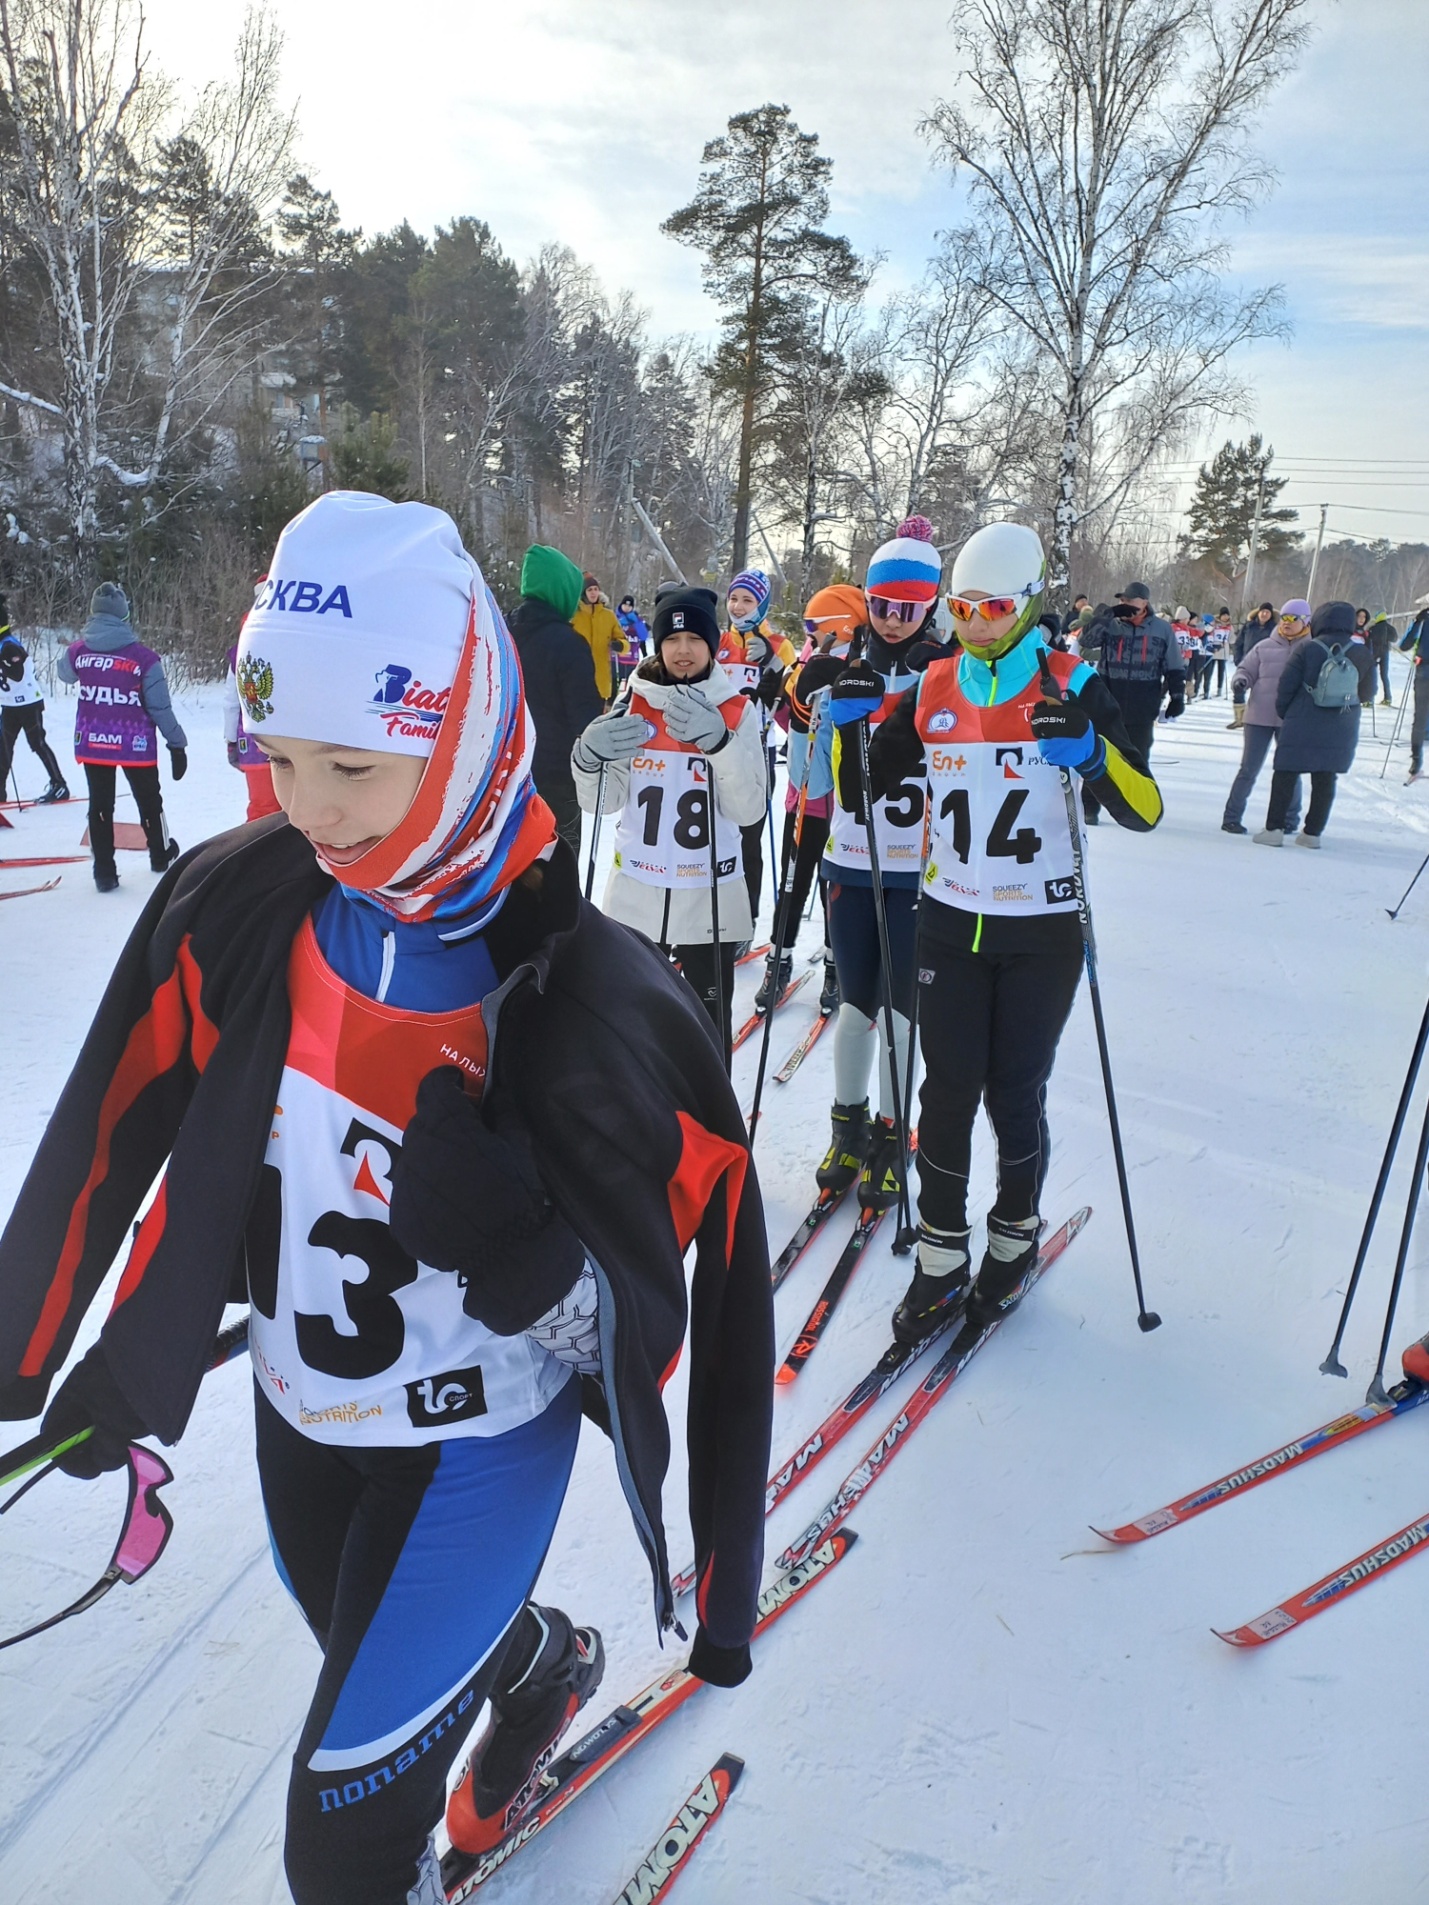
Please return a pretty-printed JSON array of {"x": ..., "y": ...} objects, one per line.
[
  {"x": 1249, "y": 582},
  {"x": 1315, "y": 559},
  {"x": 657, "y": 539}
]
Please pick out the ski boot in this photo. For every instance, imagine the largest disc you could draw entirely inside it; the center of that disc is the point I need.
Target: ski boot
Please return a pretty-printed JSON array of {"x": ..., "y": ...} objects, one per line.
[
  {"x": 55, "y": 791},
  {"x": 844, "y": 1158},
  {"x": 829, "y": 997},
  {"x": 771, "y": 991},
  {"x": 1416, "y": 1360},
  {"x": 941, "y": 1276},
  {"x": 881, "y": 1180},
  {"x": 1011, "y": 1252},
  {"x": 550, "y": 1670}
]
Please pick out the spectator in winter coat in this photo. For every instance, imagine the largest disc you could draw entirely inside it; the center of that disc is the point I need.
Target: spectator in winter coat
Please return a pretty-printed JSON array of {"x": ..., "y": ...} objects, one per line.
[
  {"x": 1415, "y": 642},
  {"x": 123, "y": 698},
  {"x": 559, "y": 677},
  {"x": 1259, "y": 675},
  {"x": 1253, "y": 631},
  {"x": 594, "y": 622},
  {"x": 1314, "y": 740},
  {"x": 22, "y": 711},
  {"x": 1379, "y": 634},
  {"x": 1140, "y": 661}
]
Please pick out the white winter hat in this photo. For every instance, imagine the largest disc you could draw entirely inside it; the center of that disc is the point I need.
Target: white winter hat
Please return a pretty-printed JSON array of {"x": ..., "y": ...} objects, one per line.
[
  {"x": 1001, "y": 559},
  {"x": 355, "y": 636}
]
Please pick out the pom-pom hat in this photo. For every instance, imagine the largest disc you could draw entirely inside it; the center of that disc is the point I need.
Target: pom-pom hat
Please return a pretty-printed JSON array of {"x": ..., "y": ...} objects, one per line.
[
  {"x": 757, "y": 584},
  {"x": 907, "y": 568}
]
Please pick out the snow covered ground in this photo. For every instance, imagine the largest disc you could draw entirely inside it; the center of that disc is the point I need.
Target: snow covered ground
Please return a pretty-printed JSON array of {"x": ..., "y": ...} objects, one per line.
[{"x": 982, "y": 1703}]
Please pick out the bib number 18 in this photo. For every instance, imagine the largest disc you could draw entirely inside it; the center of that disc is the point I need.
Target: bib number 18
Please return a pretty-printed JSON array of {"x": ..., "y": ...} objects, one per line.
[{"x": 692, "y": 817}]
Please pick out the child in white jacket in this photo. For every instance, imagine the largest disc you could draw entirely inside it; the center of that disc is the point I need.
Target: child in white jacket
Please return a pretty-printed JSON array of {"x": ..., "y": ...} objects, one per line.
[{"x": 684, "y": 727}]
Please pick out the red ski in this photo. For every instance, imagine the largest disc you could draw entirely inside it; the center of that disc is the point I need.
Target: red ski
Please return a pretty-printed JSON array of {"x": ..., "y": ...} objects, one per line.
[
  {"x": 756, "y": 1019},
  {"x": 1403, "y": 1397},
  {"x": 802, "y": 1050},
  {"x": 578, "y": 1768},
  {"x": 47, "y": 860},
  {"x": 20, "y": 892},
  {"x": 673, "y": 1850},
  {"x": 1314, "y": 1600}
]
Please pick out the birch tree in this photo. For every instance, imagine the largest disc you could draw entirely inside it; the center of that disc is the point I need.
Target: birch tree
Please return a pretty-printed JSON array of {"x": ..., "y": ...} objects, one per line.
[
  {"x": 1104, "y": 144},
  {"x": 109, "y": 196}
]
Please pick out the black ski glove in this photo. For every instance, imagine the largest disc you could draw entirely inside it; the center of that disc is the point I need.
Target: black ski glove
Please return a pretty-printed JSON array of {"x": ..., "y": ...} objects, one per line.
[
  {"x": 178, "y": 762},
  {"x": 718, "y": 1666},
  {"x": 89, "y": 1398},
  {"x": 467, "y": 1198}
]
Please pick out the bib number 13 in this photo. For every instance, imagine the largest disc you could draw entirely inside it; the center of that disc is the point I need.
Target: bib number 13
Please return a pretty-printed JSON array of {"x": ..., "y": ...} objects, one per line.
[{"x": 1023, "y": 846}]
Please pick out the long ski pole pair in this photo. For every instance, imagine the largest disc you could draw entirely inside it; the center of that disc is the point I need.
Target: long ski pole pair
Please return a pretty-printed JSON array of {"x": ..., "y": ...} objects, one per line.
[
  {"x": 1404, "y": 700},
  {"x": 621, "y": 705},
  {"x": 1332, "y": 1366},
  {"x": 783, "y": 909},
  {"x": 885, "y": 960},
  {"x": 1146, "y": 1319}
]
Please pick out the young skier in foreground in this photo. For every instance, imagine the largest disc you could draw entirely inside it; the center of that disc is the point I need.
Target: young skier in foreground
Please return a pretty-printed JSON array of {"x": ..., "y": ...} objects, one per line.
[
  {"x": 999, "y": 940},
  {"x": 370, "y": 1050}
]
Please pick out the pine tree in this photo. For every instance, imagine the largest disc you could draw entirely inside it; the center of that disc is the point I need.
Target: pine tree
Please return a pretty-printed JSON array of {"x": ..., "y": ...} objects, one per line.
[
  {"x": 758, "y": 217},
  {"x": 1222, "y": 511}
]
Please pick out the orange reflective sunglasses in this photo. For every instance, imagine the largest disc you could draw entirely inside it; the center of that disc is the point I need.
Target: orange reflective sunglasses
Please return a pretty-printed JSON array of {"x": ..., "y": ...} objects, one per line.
[{"x": 991, "y": 610}]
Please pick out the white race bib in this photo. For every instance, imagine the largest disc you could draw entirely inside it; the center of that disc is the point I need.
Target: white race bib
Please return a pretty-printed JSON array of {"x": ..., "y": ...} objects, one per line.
[
  {"x": 662, "y": 837},
  {"x": 1000, "y": 841}
]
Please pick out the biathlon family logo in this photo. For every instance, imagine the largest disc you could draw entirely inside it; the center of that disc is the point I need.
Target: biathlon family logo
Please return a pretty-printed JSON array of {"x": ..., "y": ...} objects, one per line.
[
  {"x": 408, "y": 707},
  {"x": 943, "y": 722},
  {"x": 255, "y": 686}
]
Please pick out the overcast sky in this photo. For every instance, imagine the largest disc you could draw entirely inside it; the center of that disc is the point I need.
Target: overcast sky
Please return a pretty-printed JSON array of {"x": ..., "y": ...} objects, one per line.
[{"x": 581, "y": 121}]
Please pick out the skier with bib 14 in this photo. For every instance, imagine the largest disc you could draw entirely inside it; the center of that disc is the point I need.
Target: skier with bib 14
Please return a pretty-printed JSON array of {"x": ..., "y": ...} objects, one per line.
[
  {"x": 369, "y": 1054},
  {"x": 999, "y": 938}
]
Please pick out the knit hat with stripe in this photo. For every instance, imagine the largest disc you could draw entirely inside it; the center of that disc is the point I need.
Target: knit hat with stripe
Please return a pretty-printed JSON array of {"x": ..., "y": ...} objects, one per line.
[{"x": 908, "y": 568}]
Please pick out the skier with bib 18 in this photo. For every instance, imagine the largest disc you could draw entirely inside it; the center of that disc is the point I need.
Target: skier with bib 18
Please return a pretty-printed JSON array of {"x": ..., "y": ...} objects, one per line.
[
  {"x": 686, "y": 730},
  {"x": 368, "y": 1052},
  {"x": 900, "y": 589},
  {"x": 999, "y": 938}
]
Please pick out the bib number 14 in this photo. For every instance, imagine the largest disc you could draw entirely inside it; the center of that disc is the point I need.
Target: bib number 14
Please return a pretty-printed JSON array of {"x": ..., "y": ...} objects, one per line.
[{"x": 1023, "y": 846}]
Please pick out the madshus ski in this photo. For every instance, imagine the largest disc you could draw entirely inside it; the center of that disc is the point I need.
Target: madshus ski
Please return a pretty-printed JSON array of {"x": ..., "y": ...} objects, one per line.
[
  {"x": 672, "y": 1851},
  {"x": 950, "y": 1365},
  {"x": 578, "y": 1768},
  {"x": 756, "y": 1019},
  {"x": 1403, "y": 1397},
  {"x": 1331, "y": 1590},
  {"x": 822, "y": 1209}
]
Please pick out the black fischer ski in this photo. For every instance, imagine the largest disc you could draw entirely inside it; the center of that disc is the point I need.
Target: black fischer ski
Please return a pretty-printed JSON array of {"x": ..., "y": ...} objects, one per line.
[
  {"x": 818, "y": 1319},
  {"x": 965, "y": 1345},
  {"x": 673, "y": 1850},
  {"x": 822, "y": 1209},
  {"x": 578, "y": 1768}
]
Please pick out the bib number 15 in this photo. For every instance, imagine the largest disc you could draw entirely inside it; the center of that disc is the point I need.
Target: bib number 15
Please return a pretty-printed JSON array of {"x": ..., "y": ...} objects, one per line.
[{"x": 1023, "y": 846}]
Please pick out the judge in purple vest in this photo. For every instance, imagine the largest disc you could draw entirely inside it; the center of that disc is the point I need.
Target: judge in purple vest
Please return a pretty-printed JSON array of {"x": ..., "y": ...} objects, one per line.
[{"x": 122, "y": 708}]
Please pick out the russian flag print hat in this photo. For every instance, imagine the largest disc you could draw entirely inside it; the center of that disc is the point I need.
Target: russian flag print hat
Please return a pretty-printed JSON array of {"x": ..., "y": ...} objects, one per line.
[
  {"x": 376, "y": 630},
  {"x": 907, "y": 569}
]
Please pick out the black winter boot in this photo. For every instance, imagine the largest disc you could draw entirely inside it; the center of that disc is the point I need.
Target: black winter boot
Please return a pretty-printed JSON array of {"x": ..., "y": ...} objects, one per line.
[
  {"x": 1010, "y": 1254},
  {"x": 941, "y": 1278},
  {"x": 769, "y": 992},
  {"x": 844, "y": 1158},
  {"x": 829, "y": 997},
  {"x": 881, "y": 1181},
  {"x": 551, "y": 1669}
]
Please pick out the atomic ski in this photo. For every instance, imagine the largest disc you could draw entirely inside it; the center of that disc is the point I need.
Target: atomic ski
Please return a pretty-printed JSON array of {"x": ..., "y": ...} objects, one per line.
[
  {"x": 950, "y": 1365},
  {"x": 1314, "y": 1600},
  {"x": 22, "y": 892},
  {"x": 672, "y": 1851},
  {"x": 1403, "y": 1397},
  {"x": 822, "y": 1209},
  {"x": 597, "y": 1751},
  {"x": 756, "y": 1019},
  {"x": 802, "y": 1050}
]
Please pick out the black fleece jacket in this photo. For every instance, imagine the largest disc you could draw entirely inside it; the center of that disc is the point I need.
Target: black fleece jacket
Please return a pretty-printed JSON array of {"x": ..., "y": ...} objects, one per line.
[{"x": 597, "y": 1047}]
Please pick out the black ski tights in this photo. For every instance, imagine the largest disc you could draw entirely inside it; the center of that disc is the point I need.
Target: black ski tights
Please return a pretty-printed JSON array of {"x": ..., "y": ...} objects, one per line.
[{"x": 988, "y": 1029}]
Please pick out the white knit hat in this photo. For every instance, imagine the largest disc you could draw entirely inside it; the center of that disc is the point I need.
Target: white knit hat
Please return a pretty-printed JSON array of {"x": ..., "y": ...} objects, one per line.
[{"x": 355, "y": 636}]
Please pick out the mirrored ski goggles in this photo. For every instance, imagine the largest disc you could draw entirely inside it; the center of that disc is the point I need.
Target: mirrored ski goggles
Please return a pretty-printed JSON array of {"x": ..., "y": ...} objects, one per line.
[
  {"x": 991, "y": 610},
  {"x": 889, "y": 611},
  {"x": 142, "y": 1539}
]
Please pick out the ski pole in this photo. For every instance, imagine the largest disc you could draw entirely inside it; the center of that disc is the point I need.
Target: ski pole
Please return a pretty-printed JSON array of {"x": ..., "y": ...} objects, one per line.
[
  {"x": 595, "y": 829},
  {"x": 885, "y": 959},
  {"x": 782, "y": 910},
  {"x": 1332, "y": 1366},
  {"x": 1376, "y": 1390},
  {"x": 1404, "y": 695},
  {"x": 714, "y": 912},
  {"x": 1409, "y": 889},
  {"x": 1146, "y": 1319},
  {"x": 908, "y": 1236}
]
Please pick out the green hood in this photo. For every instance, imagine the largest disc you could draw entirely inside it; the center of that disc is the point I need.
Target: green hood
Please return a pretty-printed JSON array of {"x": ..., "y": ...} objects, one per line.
[{"x": 552, "y": 577}]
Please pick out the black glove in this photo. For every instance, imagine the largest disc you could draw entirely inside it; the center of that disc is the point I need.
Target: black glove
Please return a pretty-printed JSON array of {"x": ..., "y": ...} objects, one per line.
[
  {"x": 1064, "y": 734},
  {"x": 467, "y": 1198},
  {"x": 89, "y": 1398},
  {"x": 1175, "y": 707},
  {"x": 179, "y": 762}
]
